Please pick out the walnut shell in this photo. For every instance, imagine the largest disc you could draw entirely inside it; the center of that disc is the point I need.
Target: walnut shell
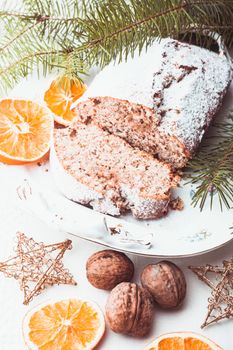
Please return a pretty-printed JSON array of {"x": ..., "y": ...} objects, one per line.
[
  {"x": 166, "y": 283},
  {"x": 129, "y": 310},
  {"x": 107, "y": 268}
]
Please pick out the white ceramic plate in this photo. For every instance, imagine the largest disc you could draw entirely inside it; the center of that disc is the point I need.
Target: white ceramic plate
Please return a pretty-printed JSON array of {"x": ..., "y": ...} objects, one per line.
[{"x": 180, "y": 234}]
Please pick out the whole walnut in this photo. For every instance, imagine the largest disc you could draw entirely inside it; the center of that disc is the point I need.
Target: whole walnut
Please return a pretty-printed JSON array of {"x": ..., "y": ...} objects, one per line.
[
  {"x": 129, "y": 310},
  {"x": 107, "y": 268},
  {"x": 166, "y": 283}
]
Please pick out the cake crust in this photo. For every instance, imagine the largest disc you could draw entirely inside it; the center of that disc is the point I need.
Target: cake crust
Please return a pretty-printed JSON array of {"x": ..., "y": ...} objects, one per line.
[{"x": 188, "y": 90}]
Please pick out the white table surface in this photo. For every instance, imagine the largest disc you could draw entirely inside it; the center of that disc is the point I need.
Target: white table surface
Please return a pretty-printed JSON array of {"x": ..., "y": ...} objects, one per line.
[
  {"x": 12, "y": 311},
  {"x": 188, "y": 318}
]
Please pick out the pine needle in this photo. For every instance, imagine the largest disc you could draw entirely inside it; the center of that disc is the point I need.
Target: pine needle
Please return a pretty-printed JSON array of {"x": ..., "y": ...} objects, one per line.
[
  {"x": 86, "y": 33},
  {"x": 212, "y": 168}
]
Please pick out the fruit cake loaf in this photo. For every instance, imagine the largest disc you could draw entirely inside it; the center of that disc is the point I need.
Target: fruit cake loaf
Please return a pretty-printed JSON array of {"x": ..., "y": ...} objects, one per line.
[
  {"x": 185, "y": 89},
  {"x": 96, "y": 168}
]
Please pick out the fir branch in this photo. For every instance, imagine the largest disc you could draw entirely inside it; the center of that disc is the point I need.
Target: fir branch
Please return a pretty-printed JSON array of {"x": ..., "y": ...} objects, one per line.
[
  {"x": 99, "y": 31},
  {"x": 17, "y": 36},
  {"x": 119, "y": 29},
  {"x": 16, "y": 15},
  {"x": 212, "y": 168},
  {"x": 49, "y": 59},
  {"x": 36, "y": 17}
]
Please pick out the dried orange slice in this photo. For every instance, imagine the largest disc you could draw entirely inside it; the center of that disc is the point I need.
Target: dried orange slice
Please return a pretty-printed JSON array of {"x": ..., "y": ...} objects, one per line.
[
  {"x": 61, "y": 94},
  {"x": 71, "y": 324},
  {"x": 182, "y": 341},
  {"x": 26, "y": 130}
]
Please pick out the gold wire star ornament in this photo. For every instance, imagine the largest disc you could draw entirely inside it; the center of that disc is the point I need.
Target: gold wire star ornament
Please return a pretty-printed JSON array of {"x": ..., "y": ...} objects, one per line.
[
  {"x": 37, "y": 266},
  {"x": 220, "y": 303}
]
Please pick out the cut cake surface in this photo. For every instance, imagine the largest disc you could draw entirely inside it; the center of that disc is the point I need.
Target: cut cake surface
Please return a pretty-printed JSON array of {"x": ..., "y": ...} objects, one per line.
[
  {"x": 137, "y": 124},
  {"x": 110, "y": 175}
]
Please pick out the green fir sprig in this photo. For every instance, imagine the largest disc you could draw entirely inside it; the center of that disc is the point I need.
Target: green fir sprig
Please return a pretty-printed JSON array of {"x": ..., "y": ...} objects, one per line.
[
  {"x": 74, "y": 35},
  {"x": 212, "y": 168}
]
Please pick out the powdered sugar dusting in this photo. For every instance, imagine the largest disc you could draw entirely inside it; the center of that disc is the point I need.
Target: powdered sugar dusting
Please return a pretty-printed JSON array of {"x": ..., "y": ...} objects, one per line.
[
  {"x": 131, "y": 80},
  {"x": 188, "y": 89},
  {"x": 145, "y": 208}
]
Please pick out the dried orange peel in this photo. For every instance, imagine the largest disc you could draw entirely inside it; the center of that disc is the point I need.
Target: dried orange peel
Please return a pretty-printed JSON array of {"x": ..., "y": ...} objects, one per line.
[
  {"x": 26, "y": 130},
  {"x": 71, "y": 324},
  {"x": 182, "y": 341},
  {"x": 61, "y": 94}
]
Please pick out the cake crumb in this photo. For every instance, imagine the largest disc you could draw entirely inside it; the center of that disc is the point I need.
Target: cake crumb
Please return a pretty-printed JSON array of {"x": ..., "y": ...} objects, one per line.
[{"x": 177, "y": 204}]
